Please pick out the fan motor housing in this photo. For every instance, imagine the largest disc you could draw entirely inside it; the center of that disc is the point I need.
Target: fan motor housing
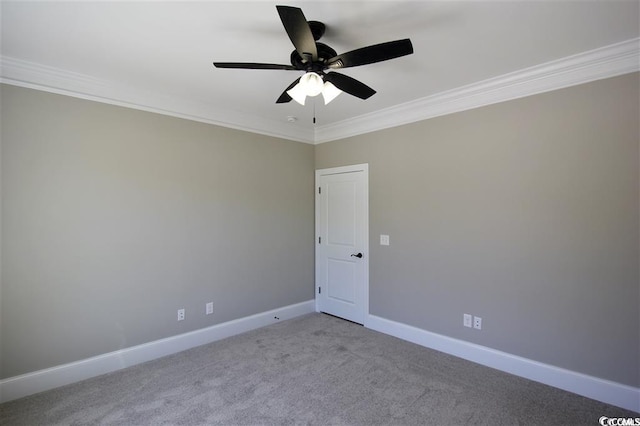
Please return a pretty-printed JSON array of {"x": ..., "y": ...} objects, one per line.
[{"x": 324, "y": 53}]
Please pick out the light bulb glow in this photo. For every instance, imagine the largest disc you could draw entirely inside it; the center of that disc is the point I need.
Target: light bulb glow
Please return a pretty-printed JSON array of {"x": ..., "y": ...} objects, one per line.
[{"x": 312, "y": 83}]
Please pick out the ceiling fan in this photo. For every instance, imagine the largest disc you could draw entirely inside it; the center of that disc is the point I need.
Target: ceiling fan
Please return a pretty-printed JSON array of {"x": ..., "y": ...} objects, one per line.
[{"x": 315, "y": 58}]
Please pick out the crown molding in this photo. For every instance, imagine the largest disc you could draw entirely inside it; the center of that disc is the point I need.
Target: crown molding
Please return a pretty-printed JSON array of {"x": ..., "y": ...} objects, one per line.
[
  {"x": 49, "y": 79},
  {"x": 609, "y": 61}
]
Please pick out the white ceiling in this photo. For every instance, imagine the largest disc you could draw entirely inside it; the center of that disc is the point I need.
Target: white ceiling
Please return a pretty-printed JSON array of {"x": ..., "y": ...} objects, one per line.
[{"x": 158, "y": 55}]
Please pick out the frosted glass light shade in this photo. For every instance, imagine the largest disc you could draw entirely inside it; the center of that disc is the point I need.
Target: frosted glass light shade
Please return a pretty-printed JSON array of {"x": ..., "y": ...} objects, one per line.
[
  {"x": 312, "y": 83},
  {"x": 298, "y": 94},
  {"x": 329, "y": 92}
]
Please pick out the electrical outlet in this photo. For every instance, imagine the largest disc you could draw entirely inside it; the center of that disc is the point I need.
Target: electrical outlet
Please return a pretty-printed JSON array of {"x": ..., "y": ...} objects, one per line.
[
  {"x": 209, "y": 308},
  {"x": 384, "y": 240},
  {"x": 477, "y": 323},
  {"x": 180, "y": 314},
  {"x": 466, "y": 320}
]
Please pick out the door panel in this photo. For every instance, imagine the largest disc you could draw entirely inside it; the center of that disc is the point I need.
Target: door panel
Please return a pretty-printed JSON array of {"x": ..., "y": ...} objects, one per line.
[
  {"x": 341, "y": 212},
  {"x": 341, "y": 281},
  {"x": 342, "y": 285}
]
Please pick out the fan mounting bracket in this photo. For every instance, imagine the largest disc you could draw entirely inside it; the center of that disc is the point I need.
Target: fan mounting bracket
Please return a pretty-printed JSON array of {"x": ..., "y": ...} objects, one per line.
[{"x": 317, "y": 29}]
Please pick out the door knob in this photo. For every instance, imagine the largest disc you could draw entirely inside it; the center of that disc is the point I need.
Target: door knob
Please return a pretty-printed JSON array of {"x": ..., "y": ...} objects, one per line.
[{"x": 359, "y": 255}]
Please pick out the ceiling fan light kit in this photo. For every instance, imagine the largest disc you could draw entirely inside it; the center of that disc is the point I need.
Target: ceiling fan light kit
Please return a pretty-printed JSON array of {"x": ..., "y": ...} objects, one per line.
[
  {"x": 315, "y": 58},
  {"x": 311, "y": 84}
]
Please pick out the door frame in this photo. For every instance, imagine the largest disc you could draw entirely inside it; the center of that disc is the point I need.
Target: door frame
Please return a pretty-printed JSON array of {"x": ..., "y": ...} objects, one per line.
[{"x": 334, "y": 171}]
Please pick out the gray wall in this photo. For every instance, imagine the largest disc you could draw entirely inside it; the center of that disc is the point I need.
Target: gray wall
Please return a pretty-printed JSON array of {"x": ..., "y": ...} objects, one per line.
[
  {"x": 524, "y": 213},
  {"x": 113, "y": 218}
]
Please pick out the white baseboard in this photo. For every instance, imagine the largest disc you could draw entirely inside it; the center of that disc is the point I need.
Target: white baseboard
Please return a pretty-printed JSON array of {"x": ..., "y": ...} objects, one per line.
[
  {"x": 42, "y": 380},
  {"x": 592, "y": 387}
]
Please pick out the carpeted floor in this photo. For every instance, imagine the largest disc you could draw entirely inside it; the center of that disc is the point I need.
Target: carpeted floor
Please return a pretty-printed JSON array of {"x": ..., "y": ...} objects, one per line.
[{"x": 315, "y": 369}]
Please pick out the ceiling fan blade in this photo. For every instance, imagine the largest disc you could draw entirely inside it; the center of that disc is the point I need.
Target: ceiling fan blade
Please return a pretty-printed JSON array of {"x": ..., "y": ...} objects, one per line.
[
  {"x": 299, "y": 32},
  {"x": 284, "y": 98},
  {"x": 349, "y": 85},
  {"x": 370, "y": 54},
  {"x": 254, "y": 66}
]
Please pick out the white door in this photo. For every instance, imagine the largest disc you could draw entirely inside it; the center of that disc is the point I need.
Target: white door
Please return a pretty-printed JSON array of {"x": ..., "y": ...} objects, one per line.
[{"x": 342, "y": 242}]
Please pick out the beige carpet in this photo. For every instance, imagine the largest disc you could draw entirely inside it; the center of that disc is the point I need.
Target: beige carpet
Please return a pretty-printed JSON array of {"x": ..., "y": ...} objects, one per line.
[{"x": 314, "y": 369}]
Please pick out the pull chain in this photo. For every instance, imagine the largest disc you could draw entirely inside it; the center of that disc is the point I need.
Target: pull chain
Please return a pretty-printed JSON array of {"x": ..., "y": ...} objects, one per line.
[{"x": 314, "y": 111}]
